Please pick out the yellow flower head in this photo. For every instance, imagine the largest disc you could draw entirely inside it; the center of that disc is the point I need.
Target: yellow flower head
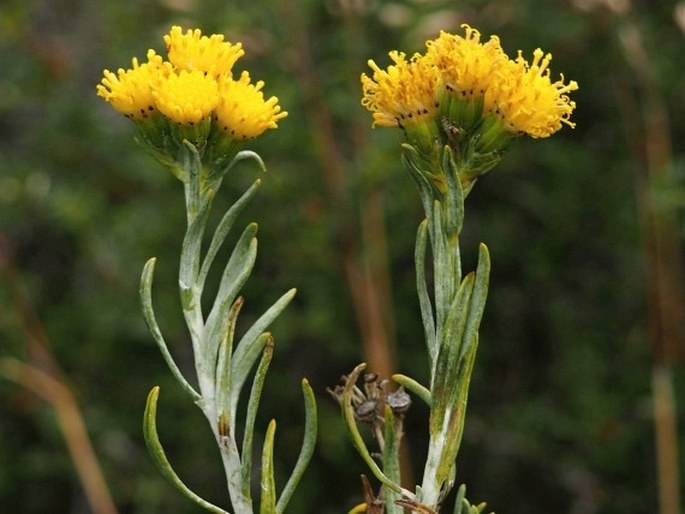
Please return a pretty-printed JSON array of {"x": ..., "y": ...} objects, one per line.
[
  {"x": 193, "y": 51},
  {"x": 242, "y": 112},
  {"x": 128, "y": 91},
  {"x": 403, "y": 94},
  {"x": 528, "y": 101},
  {"x": 466, "y": 65},
  {"x": 186, "y": 97}
]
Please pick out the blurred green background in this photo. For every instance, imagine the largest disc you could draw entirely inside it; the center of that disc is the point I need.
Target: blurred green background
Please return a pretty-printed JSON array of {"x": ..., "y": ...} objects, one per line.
[{"x": 560, "y": 416}]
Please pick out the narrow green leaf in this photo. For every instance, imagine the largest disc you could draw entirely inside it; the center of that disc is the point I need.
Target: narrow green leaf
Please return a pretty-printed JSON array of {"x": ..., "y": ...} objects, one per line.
[
  {"x": 458, "y": 503},
  {"x": 391, "y": 461},
  {"x": 252, "y": 407},
  {"x": 480, "y": 293},
  {"x": 458, "y": 413},
  {"x": 464, "y": 385},
  {"x": 307, "y": 450},
  {"x": 427, "y": 191},
  {"x": 222, "y": 230},
  {"x": 222, "y": 384},
  {"x": 422, "y": 289},
  {"x": 149, "y": 315},
  {"x": 443, "y": 390},
  {"x": 413, "y": 386},
  {"x": 242, "y": 156},
  {"x": 268, "y": 486},
  {"x": 192, "y": 164},
  {"x": 156, "y": 451},
  {"x": 442, "y": 271},
  {"x": 190, "y": 251},
  {"x": 250, "y": 346},
  {"x": 235, "y": 275},
  {"x": 454, "y": 199}
]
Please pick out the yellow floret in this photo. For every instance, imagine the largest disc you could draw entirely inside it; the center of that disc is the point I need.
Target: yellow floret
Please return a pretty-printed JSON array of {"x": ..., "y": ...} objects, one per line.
[
  {"x": 243, "y": 113},
  {"x": 528, "y": 101},
  {"x": 193, "y": 51},
  {"x": 403, "y": 94},
  {"x": 129, "y": 91},
  {"x": 186, "y": 97}
]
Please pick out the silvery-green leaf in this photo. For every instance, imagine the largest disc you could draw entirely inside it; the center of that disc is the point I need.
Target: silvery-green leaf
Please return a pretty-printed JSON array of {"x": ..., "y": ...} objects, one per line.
[
  {"x": 268, "y": 485},
  {"x": 307, "y": 450},
  {"x": 252, "y": 407},
  {"x": 247, "y": 351},
  {"x": 149, "y": 316},
  {"x": 159, "y": 457},
  {"x": 223, "y": 229}
]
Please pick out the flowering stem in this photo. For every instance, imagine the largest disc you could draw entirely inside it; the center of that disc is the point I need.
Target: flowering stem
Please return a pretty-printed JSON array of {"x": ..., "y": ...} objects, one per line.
[
  {"x": 222, "y": 367},
  {"x": 451, "y": 319}
]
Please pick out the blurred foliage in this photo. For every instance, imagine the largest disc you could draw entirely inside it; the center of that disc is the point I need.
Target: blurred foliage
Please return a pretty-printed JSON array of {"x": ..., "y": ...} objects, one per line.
[{"x": 560, "y": 416}]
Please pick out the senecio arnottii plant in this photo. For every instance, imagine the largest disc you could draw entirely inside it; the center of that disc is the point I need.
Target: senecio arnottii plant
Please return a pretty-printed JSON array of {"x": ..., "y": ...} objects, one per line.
[
  {"x": 195, "y": 116},
  {"x": 460, "y": 105}
]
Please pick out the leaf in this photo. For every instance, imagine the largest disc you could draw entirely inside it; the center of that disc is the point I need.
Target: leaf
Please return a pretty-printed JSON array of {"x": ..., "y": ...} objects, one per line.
[
  {"x": 242, "y": 156},
  {"x": 156, "y": 451},
  {"x": 391, "y": 461},
  {"x": 480, "y": 293},
  {"x": 443, "y": 390},
  {"x": 307, "y": 450},
  {"x": 222, "y": 380},
  {"x": 248, "y": 349},
  {"x": 442, "y": 270},
  {"x": 422, "y": 289},
  {"x": 222, "y": 230},
  {"x": 235, "y": 275},
  {"x": 192, "y": 164},
  {"x": 268, "y": 486},
  {"x": 427, "y": 191},
  {"x": 149, "y": 315},
  {"x": 252, "y": 407},
  {"x": 457, "y": 415},
  {"x": 190, "y": 254},
  {"x": 454, "y": 199}
]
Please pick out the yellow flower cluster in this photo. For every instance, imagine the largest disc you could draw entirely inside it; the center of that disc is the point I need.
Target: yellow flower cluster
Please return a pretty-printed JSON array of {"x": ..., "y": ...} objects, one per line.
[
  {"x": 462, "y": 81},
  {"x": 194, "y": 84}
]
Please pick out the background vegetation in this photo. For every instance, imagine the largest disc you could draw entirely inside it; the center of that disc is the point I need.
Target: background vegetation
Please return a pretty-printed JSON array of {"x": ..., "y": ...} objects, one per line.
[{"x": 560, "y": 417}]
